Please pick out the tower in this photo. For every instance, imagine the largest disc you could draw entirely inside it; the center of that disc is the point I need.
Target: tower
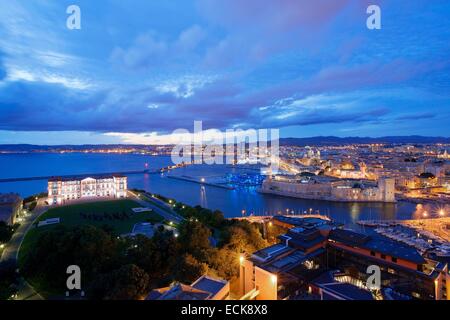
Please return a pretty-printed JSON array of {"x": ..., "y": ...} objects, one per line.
[{"x": 386, "y": 187}]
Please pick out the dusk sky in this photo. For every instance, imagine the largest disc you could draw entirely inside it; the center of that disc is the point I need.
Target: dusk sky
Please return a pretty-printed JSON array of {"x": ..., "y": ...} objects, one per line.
[{"x": 139, "y": 69}]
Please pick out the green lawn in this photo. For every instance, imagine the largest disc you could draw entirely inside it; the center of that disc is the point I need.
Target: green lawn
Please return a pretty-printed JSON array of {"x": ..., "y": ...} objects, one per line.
[{"x": 83, "y": 214}]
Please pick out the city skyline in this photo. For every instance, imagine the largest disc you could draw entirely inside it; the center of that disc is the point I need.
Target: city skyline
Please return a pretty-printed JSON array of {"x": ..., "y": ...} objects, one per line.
[{"x": 133, "y": 74}]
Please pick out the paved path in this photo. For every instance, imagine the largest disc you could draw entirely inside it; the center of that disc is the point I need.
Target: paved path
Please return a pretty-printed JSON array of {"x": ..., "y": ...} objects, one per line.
[
  {"x": 167, "y": 213},
  {"x": 11, "y": 252}
]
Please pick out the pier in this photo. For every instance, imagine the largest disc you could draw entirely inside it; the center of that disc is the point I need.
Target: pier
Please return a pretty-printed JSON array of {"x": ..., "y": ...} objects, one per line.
[
  {"x": 193, "y": 180},
  {"x": 94, "y": 175},
  {"x": 83, "y": 175},
  {"x": 270, "y": 217}
]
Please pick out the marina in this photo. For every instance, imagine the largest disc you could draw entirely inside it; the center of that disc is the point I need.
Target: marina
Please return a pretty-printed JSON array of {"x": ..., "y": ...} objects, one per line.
[{"x": 231, "y": 201}]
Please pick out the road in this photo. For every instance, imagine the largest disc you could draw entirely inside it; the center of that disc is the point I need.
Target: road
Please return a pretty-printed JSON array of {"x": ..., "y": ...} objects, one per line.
[
  {"x": 11, "y": 251},
  {"x": 167, "y": 213}
]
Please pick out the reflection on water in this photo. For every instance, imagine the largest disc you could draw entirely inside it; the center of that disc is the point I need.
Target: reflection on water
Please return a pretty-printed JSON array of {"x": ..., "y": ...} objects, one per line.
[
  {"x": 231, "y": 202},
  {"x": 424, "y": 211}
]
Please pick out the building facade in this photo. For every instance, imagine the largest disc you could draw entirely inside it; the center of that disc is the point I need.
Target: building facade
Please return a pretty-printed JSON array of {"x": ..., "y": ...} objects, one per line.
[
  {"x": 10, "y": 207},
  {"x": 331, "y": 262},
  {"x": 342, "y": 191},
  {"x": 62, "y": 190}
]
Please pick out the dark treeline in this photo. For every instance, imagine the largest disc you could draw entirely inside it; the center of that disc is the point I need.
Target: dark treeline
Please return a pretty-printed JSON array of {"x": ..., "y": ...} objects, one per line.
[{"x": 128, "y": 268}]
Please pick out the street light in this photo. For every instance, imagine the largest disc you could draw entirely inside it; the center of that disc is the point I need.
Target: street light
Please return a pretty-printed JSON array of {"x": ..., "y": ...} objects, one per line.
[
  {"x": 241, "y": 259},
  {"x": 442, "y": 212}
]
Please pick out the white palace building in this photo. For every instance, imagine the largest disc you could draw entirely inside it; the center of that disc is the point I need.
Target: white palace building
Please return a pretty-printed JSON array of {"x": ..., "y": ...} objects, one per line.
[{"x": 62, "y": 190}]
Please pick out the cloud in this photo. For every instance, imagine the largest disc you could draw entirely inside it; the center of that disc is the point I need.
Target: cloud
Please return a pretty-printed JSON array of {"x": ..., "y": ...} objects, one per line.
[
  {"x": 332, "y": 95},
  {"x": 146, "y": 50},
  {"x": 15, "y": 74},
  {"x": 189, "y": 39},
  {"x": 151, "y": 49},
  {"x": 2, "y": 68},
  {"x": 257, "y": 30},
  {"x": 233, "y": 64},
  {"x": 415, "y": 116}
]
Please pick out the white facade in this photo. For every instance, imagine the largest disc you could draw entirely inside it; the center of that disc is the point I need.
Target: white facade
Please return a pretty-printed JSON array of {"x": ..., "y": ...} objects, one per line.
[{"x": 61, "y": 190}]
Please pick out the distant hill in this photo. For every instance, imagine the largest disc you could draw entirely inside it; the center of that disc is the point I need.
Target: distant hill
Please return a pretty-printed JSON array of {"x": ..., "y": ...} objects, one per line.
[{"x": 313, "y": 141}]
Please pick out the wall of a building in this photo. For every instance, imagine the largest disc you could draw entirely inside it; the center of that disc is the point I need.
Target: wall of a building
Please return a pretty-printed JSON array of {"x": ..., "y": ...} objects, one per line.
[
  {"x": 267, "y": 285},
  {"x": 223, "y": 293},
  {"x": 89, "y": 187},
  {"x": 384, "y": 192},
  {"x": 246, "y": 277}
]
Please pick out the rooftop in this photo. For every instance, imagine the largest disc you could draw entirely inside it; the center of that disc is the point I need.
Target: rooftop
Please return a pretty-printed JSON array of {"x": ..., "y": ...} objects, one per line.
[
  {"x": 79, "y": 178},
  {"x": 378, "y": 244},
  {"x": 208, "y": 284},
  {"x": 334, "y": 290},
  {"x": 178, "y": 291},
  {"x": 203, "y": 288}
]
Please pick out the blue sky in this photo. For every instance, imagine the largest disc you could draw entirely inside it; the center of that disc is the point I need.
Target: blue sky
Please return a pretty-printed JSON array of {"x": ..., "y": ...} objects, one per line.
[{"x": 137, "y": 70}]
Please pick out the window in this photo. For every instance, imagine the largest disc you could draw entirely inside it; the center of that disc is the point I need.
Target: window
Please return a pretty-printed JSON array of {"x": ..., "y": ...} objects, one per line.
[
  {"x": 383, "y": 256},
  {"x": 372, "y": 253},
  {"x": 394, "y": 259}
]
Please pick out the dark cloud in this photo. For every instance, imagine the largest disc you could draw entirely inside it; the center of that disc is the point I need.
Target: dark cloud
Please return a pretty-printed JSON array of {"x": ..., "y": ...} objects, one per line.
[
  {"x": 415, "y": 116},
  {"x": 221, "y": 104}
]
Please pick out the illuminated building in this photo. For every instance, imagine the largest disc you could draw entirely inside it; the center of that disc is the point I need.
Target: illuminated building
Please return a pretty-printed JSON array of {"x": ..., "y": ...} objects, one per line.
[
  {"x": 307, "y": 254},
  {"x": 319, "y": 189},
  {"x": 61, "y": 190}
]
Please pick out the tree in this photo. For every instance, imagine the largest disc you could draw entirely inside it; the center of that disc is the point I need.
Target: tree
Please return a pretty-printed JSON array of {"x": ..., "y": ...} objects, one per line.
[
  {"x": 157, "y": 256},
  {"x": 92, "y": 249},
  {"x": 225, "y": 262},
  {"x": 243, "y": 236},
  {"x": 6, "y": 232},
  {"x": 129, "y": 282},
  {"x": 194, "y": 238},
  {"x": 8, "y": 279},
  {"x": 189, "y": 268}
]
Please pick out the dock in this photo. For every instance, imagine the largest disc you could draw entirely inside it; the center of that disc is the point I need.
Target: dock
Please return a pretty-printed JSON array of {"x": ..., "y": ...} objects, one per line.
[
  {"x": 94, "y": 175},
  {"x": 193, "y": 180},
  {"x": 81, "y": 175}
]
